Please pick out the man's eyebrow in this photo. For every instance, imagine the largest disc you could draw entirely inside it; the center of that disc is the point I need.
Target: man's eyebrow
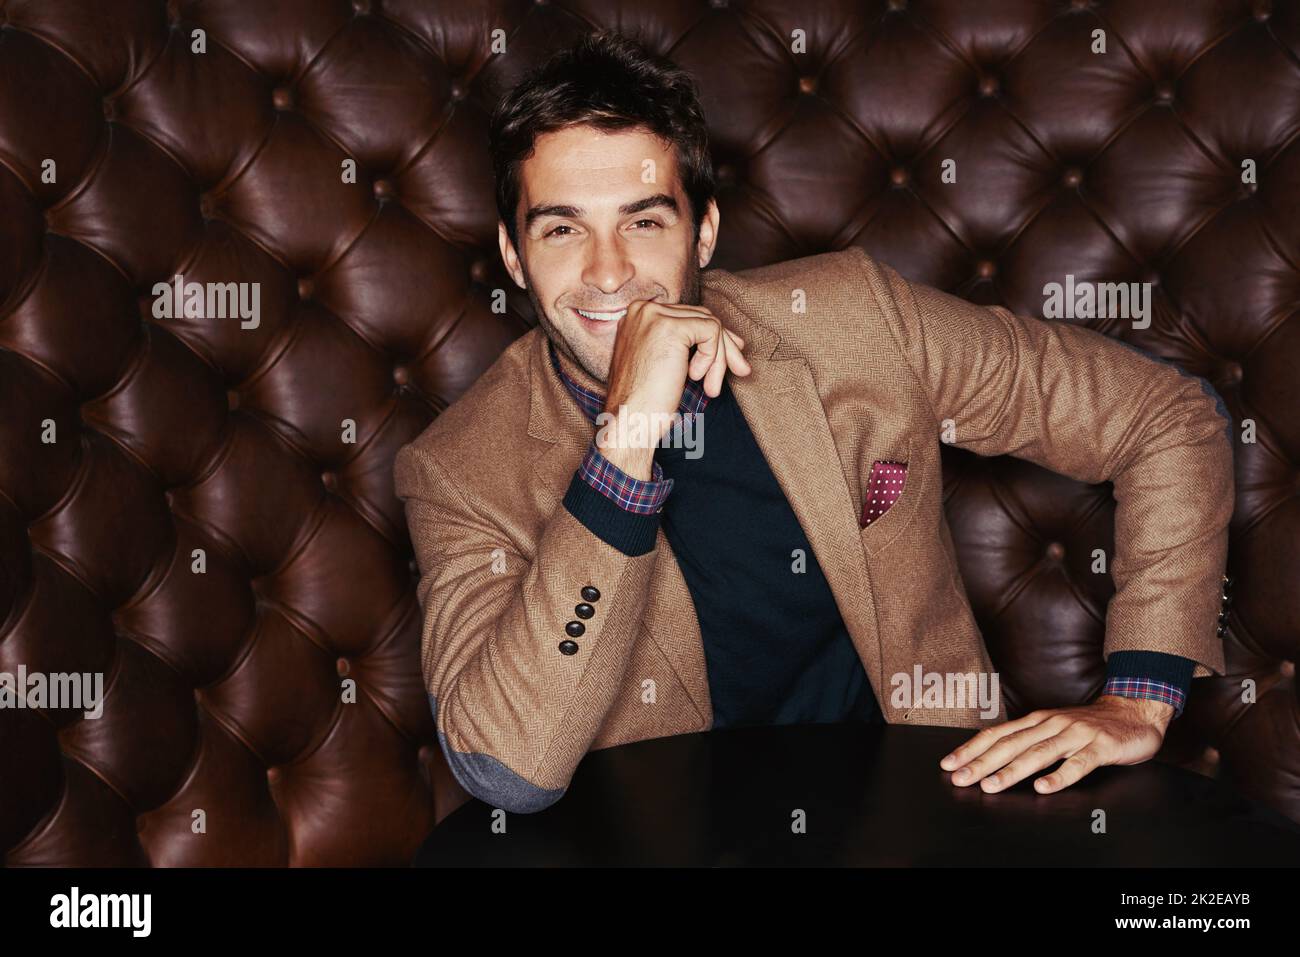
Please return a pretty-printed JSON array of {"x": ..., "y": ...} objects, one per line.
[{"x": 657, "y": 201}]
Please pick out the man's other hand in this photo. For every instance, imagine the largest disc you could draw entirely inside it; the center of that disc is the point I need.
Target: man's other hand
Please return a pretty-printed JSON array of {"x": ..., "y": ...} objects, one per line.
[{"x": 1111, "y": 730}]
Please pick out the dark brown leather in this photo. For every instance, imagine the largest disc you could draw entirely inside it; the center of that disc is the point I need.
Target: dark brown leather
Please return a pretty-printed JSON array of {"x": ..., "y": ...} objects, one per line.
[{"x": 223, "y": 690}]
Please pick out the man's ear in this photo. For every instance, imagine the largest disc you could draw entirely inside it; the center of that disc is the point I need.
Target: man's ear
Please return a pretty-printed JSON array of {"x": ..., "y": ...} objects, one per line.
[
  {"x": 708, "y": 240},
  {"x": 509, "y": 256}
]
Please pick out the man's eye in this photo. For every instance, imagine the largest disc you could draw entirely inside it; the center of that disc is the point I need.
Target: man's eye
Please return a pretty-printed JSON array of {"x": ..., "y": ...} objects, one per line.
[
  {"x": 650, "y": 221},
  {"x": 556, "y": 230}
]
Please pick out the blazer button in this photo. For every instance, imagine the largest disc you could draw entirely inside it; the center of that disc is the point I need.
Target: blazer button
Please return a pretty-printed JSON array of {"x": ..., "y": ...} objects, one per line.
[
  {"x": 584, "y": 610},
  {"x": 575, "y": 629},
  {"x": 568, "y": 647},
  {"x": 590, "y": 593},
  {"x": 1227, "y": 582},
  {"x": 1221, "y": 630}
]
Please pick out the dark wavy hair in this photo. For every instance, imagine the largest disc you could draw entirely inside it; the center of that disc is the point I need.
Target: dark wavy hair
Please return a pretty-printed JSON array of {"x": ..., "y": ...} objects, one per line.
[{"x": 609, "y": 81}]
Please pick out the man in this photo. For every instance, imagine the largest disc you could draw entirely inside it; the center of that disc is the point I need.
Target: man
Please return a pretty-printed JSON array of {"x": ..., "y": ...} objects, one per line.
[{"x": 589, "y": 578}]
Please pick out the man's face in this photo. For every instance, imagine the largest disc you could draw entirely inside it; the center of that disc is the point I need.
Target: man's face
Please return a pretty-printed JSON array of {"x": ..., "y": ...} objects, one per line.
[{"x": 603, "y": 221}]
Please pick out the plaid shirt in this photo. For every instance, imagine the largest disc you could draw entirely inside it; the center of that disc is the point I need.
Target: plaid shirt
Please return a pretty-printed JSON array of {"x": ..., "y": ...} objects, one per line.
[{"x": 646, "y": 497}]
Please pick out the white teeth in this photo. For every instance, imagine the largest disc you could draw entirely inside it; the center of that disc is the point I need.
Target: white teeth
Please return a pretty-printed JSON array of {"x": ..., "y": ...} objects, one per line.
[{"x": 603, "y": 316}]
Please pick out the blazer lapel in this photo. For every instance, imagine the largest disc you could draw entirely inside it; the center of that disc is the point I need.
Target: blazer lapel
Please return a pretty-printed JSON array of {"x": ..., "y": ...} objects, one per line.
[{"x": 554, "y": 420}]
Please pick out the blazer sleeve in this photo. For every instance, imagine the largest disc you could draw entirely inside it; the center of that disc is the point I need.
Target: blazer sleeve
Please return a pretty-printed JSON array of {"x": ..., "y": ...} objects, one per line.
[
  {"x": 1095, "y": 409},
  {"x": 514, "y": 714}
]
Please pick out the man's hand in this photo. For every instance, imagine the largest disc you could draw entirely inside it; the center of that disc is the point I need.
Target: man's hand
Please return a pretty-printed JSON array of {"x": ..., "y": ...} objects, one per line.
[
  {"x": 1111, "y": 730},
  {"x": 651, "y": 363}
]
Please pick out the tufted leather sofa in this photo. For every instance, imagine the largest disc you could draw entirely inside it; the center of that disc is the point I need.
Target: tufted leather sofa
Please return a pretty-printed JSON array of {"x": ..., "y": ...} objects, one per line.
[{"x": 203, "y": 510}]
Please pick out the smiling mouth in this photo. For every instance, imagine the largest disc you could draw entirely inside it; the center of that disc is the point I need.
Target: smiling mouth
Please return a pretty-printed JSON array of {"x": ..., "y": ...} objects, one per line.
[{"x": 602, "y": 316}]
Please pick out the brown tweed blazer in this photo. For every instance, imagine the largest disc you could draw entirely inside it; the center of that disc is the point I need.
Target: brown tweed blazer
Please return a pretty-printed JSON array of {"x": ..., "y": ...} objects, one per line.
[{"x": 874, "y": 368}]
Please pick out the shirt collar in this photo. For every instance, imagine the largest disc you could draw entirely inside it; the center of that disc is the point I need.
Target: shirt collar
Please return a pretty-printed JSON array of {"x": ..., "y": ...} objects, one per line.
[{"x": 591, "y": 400}]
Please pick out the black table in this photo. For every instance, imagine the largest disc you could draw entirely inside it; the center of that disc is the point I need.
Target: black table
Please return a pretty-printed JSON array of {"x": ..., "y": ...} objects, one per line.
[{"x": 871, "y": 795}]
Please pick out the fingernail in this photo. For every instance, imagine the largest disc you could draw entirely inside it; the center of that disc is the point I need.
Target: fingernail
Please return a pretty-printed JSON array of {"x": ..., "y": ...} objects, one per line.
[
  {"x": 961, "y": 775},
  {"x": 947, "y": 762}
]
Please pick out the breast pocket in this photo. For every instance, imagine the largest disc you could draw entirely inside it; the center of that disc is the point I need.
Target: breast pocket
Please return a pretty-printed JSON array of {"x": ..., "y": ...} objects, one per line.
[{"x": 891, "y": 490}]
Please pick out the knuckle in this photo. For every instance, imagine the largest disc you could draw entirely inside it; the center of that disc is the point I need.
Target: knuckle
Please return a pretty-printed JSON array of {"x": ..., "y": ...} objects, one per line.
[
  {"x": 646, "y": 309},
  {"x": 1077, "y": 761}
]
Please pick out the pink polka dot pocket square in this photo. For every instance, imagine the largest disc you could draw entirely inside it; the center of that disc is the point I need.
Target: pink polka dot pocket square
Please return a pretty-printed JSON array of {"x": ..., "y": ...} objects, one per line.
[{"x": 883, "y": 488}]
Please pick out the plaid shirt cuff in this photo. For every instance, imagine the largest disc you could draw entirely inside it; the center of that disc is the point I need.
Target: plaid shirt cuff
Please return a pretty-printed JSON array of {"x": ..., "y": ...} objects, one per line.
[
  {"x": 1147, "y": 688},
  {"x": 644, "y": 497},
  {"x": 1149, "y": 674}
]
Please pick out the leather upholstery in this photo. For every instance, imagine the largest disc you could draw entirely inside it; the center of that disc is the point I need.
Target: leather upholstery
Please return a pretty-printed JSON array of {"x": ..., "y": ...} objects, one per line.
[{"x": 224, "y": 690}]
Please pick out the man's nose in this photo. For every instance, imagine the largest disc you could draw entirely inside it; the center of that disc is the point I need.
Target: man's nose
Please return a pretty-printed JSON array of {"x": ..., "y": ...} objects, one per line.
[{"x": 608, "y": 266}]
